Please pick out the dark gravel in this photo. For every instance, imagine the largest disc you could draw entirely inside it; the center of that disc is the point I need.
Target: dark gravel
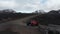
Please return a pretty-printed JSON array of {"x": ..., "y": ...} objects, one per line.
[{"x": 8, "y": 32}]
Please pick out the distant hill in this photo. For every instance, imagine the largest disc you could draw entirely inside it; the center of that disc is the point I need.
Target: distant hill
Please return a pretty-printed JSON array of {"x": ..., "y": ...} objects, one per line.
[
  {"x": 11, "y": 15},
  {"x": 52, "y": 17}
]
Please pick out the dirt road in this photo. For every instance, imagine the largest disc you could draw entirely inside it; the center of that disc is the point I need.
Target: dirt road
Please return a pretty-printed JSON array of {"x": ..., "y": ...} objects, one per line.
[{"x": 20, "y": 26}]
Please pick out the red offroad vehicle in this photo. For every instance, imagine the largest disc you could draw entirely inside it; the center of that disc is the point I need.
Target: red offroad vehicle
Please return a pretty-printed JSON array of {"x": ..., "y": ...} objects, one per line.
[{"x": 32, "y": 22}]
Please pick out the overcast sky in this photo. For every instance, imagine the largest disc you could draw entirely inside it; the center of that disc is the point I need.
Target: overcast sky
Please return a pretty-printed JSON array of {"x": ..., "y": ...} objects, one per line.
[{"x": 30, "y": 5}]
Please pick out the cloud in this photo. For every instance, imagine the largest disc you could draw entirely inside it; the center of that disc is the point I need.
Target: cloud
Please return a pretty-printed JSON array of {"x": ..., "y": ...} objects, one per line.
[
  {"x": 8, "y": 4},
  {"x": 30, "y": 5},
  {"x": 52, "y": 5},
  {"x": 20, "y": 5}
]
